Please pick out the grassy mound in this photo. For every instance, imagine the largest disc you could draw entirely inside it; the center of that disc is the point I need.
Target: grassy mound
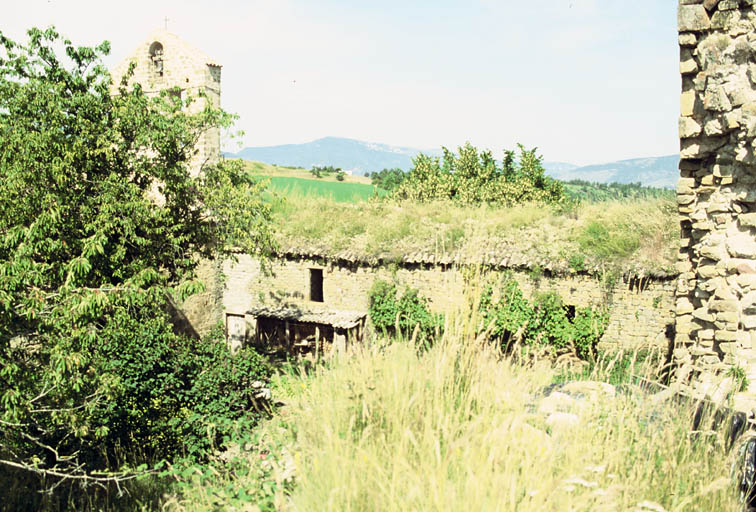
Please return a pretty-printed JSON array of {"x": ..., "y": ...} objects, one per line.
[{"x": 637, "y": 234}]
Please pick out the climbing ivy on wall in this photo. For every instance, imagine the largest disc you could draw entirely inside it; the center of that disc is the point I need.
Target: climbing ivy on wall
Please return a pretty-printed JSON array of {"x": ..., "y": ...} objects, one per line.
[
  {"x": 510, "y": 317},
  {"x": 389, "y": 311}
]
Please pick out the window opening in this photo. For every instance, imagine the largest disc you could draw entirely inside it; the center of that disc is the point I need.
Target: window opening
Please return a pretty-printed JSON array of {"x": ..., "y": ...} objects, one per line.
[
  {"x": 316, "y": 284},
  {"x": 156, "y": 56}
]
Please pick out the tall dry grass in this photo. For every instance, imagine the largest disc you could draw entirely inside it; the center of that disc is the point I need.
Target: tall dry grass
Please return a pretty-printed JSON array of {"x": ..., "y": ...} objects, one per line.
[{"x": 391, "y": 427}]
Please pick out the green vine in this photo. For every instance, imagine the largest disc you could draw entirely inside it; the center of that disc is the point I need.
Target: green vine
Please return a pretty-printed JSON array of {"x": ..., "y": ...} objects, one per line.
[{"x": 510, "y": 316}]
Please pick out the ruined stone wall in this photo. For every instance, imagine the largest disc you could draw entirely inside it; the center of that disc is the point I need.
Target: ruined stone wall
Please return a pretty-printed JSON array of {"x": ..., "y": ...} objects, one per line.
[
  {"x": 640, "y": 309},
  {"x": 716, "y": 293}
]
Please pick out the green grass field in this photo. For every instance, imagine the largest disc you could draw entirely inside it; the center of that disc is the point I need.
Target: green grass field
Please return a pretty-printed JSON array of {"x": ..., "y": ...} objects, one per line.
[{"x": 340, "y": 192}]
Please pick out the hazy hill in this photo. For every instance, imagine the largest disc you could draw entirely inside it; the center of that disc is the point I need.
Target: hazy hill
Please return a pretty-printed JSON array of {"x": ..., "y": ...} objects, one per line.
[
  {"x": 652, "y": 172},
  {"x": 363, "y": 157},
  {"x": 349, "y": 154}
]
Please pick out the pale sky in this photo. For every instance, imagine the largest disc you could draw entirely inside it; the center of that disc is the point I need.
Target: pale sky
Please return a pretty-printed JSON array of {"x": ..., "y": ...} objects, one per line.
[{"x": 586, "y": 81}]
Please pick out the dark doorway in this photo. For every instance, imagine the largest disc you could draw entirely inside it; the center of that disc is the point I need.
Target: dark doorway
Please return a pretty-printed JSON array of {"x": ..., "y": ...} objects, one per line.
[{"x": 316, "y": 284}]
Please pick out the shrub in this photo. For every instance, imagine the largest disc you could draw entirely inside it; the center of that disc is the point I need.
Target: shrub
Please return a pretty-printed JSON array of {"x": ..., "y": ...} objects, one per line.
[
  {"x": 408, "y": 312},
  {"x": 177, "y": 395},
  {"x": 473, "y": 177},
  {"x": 545, "y": 321}
]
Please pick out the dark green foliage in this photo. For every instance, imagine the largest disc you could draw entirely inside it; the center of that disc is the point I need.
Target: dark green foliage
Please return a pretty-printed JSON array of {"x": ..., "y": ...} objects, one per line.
[
  {"x": 340, "y": 176},
  {"x": 177, "y": 396},
  {"x": 410, "y": 311},
  {"x": 88, "y": 256},
  {"x": 320, "y": 172},
  {"x": 473, "y": 177},
  {"x": 388, "y": 179},
  {"x": 225, "y": 394},
  {"x": 510, "y": 317}
]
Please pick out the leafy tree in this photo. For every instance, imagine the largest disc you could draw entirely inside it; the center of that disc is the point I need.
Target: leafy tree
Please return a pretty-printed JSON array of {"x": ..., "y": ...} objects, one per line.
[
  {"x": 388, "y": 179},
  {"x": 100, "y": 224},
  {"x": 325, "y": 171},
  {"x": 472, "y": 177}
]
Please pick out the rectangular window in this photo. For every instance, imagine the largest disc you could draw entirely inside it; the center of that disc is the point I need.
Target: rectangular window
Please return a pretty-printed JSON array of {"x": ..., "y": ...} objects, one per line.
[{"x": 316, "y": 284}]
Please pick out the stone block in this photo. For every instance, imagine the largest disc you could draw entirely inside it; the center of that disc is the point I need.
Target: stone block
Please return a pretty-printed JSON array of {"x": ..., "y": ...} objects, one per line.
[
  {"x": 716, "y": 99},
  {"x": 705, "y": 334},
  {"x": 684, "y": 306},
  {"x": 713, "y": 127},
  {"x": 747, "y": 219},
  {"x": 724, "y": 19},
  {"x": 713, "y": 252},
  {"x": 692, "y": 18},
  {"x": 703, "y": 315},
  {"x": 725, "y": 336},
  {"x": 742, "y": 246},
  {"x": 724, "y": 5},
  {"x": 749, "y": 322},
  {"x": 688, "y": 103},
  {"x": 687, "y": 39},
  {"x": 727, "y": 317},
  {"x": 724, "y": 305},
  {"x": 732, "y": 120},
  {"x": 747, "y": 281},
  {"x": 688, "y": 127}
]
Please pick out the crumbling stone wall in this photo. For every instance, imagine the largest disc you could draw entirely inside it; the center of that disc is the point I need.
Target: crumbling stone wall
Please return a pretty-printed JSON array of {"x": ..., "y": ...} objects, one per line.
[
  {"x": 641, "y": 309},
  {"x": 716, "y": 192}
]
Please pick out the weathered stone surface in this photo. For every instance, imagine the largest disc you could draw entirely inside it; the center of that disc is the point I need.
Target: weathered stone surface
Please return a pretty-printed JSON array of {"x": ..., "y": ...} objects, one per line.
[
  {"x": 689, "y": 127},
  {"x": 742, "y": 246},
  {"x": 725, "y": 336},
  {"x": 724, "y": 305},
  {"x": 687, "y": 39},
  {"x": 688, "y": 66},
  {"x": 693, "y": 18},
  {"x": 687, "y": 103},
  {"x": 724, "y": 19},
  {"x": 559, "y": 421},
  {"x": 716, "y": 253},
  {"x": 684, "y": 306},
  {"x": 716, "y": 99},
  {"x": 747, "y": 219}
]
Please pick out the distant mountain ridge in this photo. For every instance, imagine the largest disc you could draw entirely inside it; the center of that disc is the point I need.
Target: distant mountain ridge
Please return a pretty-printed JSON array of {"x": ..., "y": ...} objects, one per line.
[
  {"x": 659, "y": 171},
  {"x": 364, "y": 157},
  {"x": 349, "y": 154}
]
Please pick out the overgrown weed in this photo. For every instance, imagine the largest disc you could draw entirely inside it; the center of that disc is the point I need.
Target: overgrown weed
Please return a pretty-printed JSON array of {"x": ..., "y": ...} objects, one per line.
[
  {"x": 456, "y": 426},
  {"x": 617, "y": 233}
]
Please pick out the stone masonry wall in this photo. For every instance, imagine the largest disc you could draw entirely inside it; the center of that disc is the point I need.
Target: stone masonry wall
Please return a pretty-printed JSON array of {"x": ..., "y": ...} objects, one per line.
[
  {"x": 716, "y": 292},
  {"x": 640, "y": 309},
  {"x": 164, "y": 61}
]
